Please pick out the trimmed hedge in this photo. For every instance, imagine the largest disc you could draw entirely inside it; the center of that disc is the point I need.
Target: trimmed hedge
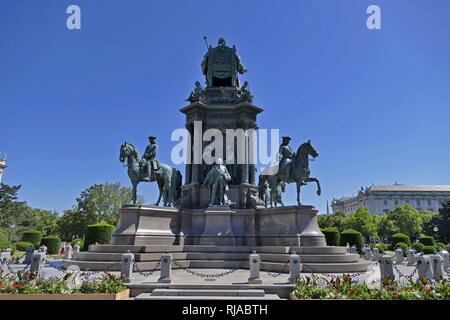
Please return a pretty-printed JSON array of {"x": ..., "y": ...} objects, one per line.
[
  {"x": 440, "y": 246},
  {"x": 402, "y": 246},
  {"x": 352, "y": 237},
  {"x": 33, "y": 236},
  {"x": 427, "y": 241},
  {"x": 53, "y": 243},
  {"x": 79, "y": 242},
  {"x": 429, "y": 250},
  {"x": 332, "y": 236},
  {"x": 400, "y": 237},
  {"x": 22, "y": 245},
  {"x": 418, "y": 246},
  {"x": 99, "y": 232},
  {"x": 4, "y": 239}
]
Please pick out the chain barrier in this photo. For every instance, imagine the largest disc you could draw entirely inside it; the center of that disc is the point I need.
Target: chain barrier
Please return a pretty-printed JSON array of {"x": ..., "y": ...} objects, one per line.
[
  {"x": 148, "y": 273},
  {"x": 205, "y": 275},
  {"x": 401, "y": 274},
  {"x": 277, "y": 274}
]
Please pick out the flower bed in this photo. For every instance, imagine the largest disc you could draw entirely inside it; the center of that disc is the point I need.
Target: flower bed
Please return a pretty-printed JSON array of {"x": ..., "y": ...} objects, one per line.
[
  {"x": 25, "y": 285},
  {"x": 315, "y": 287}
]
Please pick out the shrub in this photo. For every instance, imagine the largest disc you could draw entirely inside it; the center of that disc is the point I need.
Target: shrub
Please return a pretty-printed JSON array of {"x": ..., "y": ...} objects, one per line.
[
  {"x": 77, "y": 241},
  {"x": 99, "y": 232},
  {"x": 429, "y": 250},
  {"x": 4, "y": 239},
  {"x": 440, "y": 246},
  {"x": 332, "y": 236},
  {"x": 53, "y": 243},
  {"x": 402, "y": 246},
  {"x": 418, "y": 246},
  {"x": 22, "y": 245},
  {"x": 33, "y": 236},
  {"x": 427, "y": 241},
  {"x": 352, "y": 237},
  {"x": 447, "y": 247},
  {"x": 400, "y": 237}
]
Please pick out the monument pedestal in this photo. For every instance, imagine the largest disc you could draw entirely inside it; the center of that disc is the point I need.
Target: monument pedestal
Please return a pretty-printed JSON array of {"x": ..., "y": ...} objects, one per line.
[{"x": 218, "y": 230}]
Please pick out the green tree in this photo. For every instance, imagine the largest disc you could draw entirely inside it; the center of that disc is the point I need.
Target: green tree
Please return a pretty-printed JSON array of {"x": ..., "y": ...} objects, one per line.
[
  {"x": 336, "y": 220},
  {"x": 442, "y": 221},
  {"x": 385, "y": 227},
  {"x": 98, "y": 203},
  {"x": 406, "y": 219},
  {"x": 14, "y": 212},
  {"x": 361, "y": 220},
  {"x": 46, "y": 221}
]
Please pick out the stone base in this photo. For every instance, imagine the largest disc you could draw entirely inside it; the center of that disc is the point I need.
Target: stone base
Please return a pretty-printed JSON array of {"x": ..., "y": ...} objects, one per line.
[{"x": 218, "y": 225}]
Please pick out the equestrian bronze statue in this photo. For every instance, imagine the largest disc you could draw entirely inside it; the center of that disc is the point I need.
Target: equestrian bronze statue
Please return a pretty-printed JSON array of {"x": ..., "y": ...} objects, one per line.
[
  {"x": 292, "y": 167},
  {"x": 148, "y": 169}
]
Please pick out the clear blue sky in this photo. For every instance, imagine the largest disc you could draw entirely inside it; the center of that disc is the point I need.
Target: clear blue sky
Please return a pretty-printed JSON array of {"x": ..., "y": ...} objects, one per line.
[{"x": 375, "y": 103}]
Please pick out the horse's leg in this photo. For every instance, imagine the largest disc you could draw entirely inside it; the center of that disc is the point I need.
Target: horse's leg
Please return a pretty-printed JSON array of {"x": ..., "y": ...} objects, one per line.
[
  {"x": 134, "y": 198},
  {"x": 319, "y": 191},
  {"x": 160, "y": 187},
  {"x": 299, "y": 184}
]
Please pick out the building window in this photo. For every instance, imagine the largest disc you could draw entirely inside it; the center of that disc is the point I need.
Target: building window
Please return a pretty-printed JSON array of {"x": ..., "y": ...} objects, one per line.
[
  {"x": 429, "y": 202},
  {"x": 418, "y": 202},
  {"x": 396, "y": 202},
  {"x": 385, "y": 202}
]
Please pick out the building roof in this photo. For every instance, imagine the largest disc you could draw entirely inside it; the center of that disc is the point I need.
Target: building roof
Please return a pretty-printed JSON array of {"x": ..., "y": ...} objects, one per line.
[{"x": 400, "y": 187}]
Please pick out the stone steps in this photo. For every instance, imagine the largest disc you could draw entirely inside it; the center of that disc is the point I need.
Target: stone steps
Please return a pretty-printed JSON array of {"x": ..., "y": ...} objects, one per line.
[
  {"x": 226, "y": 264},
  {"x": 231, "y": 256},
  {"x": 215, "y": 249},
  {"x": 206, "y": 294}
]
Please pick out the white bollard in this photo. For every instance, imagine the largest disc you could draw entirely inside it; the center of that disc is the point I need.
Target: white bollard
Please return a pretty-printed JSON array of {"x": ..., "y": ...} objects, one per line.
[
  {"x": 68, "y": 252},
  {"x": 445, "y": 256},
  {"x": 438, "y": 266},
  {"x": 398, "y": 256},
  {"x": 254, "y": 261},
  {"x": 127, "y": 263},
  {"x": 43, "y": 249},
  {"x": 347, "y": 247},
  {"x": 37, "y": 262},
  {"x": 375, "y": 254},
  {"x": 29, "y": 255},
  {"x": 368, "y": 253},
  {"x": 411, "y": 257},
  {"x": 386, "y": 268},
  {"x": 166, "y": 268},
  {"x": 76, "y": 251},
  {"x": 294, "y": 267},
  {"x": 424, "y": 270}
]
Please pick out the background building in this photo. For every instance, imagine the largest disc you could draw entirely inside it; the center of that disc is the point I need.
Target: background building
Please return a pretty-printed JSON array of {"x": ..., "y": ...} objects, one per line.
[
  {"x": 2, "y": 165},
  {"x": 382, "y": 198}
]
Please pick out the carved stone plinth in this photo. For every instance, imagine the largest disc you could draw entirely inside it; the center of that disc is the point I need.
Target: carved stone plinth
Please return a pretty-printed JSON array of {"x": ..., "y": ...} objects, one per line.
[{"x": 218, "y": 230}]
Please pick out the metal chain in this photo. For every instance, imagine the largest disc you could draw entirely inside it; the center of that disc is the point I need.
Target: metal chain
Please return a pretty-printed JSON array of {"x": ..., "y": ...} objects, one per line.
[
  {"x": 277, "y": 274},
  {"x": 403, "y": 275},
  {"x": 205, "y": 275},
  {"x": 149, "y": 273}
]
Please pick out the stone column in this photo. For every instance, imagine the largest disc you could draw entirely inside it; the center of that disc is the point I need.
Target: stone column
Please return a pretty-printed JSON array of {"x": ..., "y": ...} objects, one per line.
[
  {"x": 438, "y": 266},
  {"x": 386, "y": 268},
  {"x": 37, "y": 261},
  {"x": 424, "y": 267},
  {"x": 294, "y": 267},
  {"x": 166, "y": 268},
  {"x": 375, "y": 254},
  {"x": 126, "y": 267}
]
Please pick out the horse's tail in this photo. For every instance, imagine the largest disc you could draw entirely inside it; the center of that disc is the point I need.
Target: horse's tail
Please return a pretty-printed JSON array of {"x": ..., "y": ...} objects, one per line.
[{"x": 176, "y": 182}]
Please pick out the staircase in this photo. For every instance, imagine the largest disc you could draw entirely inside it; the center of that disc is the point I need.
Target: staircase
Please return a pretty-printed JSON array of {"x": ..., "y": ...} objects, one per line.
[{"x": 206, "y": 294}]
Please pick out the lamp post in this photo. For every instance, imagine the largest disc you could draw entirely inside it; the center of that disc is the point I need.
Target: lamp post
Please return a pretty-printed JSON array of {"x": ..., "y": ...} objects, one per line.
[
  {"x": 11, "y": 227},
  {"x": 436, "y": 229}
]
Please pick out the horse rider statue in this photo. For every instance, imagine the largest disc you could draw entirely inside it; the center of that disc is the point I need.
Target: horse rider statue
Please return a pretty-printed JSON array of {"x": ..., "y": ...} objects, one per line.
[
  {"x": 150, "y": 155},
  {"x": 286, "y": 156}
]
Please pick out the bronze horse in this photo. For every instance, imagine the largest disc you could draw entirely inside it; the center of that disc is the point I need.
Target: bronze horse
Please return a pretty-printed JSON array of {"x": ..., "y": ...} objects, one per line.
[
  {"x": 169, "y": 179},
  {"x": 299, "y": 170}
]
